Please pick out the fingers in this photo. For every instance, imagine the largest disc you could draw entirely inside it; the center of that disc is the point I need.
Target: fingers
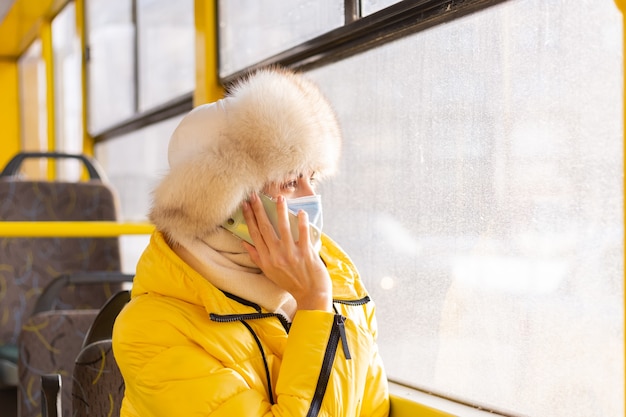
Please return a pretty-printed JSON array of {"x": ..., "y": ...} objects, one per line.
[
  {"x": 266, "y": 239},
  {"x": 303, "y": 229},
  {"x": 261, "y": 222},
  {"x": 293, "y": 266},
  {"x": 284, "y": 228}
]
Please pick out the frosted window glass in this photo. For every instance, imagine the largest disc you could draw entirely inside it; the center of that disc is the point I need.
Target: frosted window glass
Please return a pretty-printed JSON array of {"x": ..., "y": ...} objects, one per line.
[
  {"x": 481, "y": 197},
  {"x": 166, "y": 37},
  {"x": 68, "y": 96},
  {"x": 372, "y": 6},
  {"x": 134, "y": 163},
  {"x": 110, "y": 71},
  {"x": 33, "y": 109},
  {"x": 251, "y": 31}
]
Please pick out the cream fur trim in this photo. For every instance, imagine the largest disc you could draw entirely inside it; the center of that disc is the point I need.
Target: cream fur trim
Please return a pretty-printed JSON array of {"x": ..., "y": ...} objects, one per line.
[{"x": 273, "y": 124}]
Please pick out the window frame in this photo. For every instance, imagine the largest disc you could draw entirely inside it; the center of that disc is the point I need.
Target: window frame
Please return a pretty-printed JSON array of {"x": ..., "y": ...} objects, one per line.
[
  {"x": 362, "y": 33},
  {"x": 357, "y": 35},
  {"x": 140, "y": 119}
]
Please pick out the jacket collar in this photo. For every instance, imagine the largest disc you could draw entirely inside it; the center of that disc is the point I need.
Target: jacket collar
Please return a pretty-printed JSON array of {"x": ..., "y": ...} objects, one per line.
[{"x": 161, "y": 271}]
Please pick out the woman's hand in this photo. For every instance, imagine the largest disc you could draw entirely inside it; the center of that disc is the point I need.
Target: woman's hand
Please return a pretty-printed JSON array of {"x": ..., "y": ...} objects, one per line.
[{"x": 294, "y": 266}]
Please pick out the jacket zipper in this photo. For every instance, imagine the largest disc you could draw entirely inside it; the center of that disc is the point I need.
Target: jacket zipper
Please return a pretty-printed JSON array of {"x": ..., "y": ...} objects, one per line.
[
  {"x": 338, "y": 332},
  {"x": 228, "y": 318},
  {"x": 358, "y": 302}
]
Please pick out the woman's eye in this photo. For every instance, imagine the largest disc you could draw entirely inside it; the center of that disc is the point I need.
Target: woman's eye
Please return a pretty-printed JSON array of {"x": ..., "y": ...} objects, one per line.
[{"x": 290, "y": 184}]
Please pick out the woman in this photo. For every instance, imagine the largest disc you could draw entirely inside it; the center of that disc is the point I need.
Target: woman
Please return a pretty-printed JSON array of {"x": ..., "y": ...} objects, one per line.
[{"x": 220, "y": 327}]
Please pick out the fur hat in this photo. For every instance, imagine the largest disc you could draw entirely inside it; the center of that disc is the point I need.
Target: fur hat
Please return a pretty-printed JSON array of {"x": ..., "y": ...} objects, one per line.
[{"x": 273, "y": 123}]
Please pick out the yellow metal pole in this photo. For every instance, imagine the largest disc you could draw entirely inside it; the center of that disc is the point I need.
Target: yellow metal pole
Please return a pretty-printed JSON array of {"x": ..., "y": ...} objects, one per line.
[
  {"x": 9, "y": 111},
  {"x": 73, "y": 229},
  {"x": 208, "y": 87}
]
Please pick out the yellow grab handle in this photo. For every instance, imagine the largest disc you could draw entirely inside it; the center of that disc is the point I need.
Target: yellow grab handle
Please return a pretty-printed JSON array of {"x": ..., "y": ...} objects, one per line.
[{"x": 73, "y": 229}]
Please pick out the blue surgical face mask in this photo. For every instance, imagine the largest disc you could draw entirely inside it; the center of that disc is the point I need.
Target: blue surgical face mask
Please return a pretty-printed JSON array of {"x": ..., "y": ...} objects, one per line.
[{"x": 312, "y": 205}]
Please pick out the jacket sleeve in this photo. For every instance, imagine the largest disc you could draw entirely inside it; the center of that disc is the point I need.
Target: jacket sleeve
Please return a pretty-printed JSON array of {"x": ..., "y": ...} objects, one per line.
[
  {"x": 376, "y": 395},
  {"x": 169, "y": 378}
]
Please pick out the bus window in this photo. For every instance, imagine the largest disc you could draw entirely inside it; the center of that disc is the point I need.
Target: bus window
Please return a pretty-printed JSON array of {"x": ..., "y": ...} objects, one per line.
[
  {"x": 110, "y": 40},
  {"x": 252, "y": 31},
  {"x": 134, "y": 163},
  {"x": 166, "y": 47},
  {"x": 481, "y": 170},
  {"x": 33, "y": 110},
  {"x": 68, "y": 96}
]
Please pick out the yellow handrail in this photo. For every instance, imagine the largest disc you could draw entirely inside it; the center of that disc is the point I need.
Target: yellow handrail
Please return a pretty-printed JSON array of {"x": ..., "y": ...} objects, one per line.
[{"x": 73, "y": 229}]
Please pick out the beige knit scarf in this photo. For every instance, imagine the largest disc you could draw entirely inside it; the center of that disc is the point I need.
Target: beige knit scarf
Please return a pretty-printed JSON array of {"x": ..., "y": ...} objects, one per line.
[{"x": 222, "y": 260}]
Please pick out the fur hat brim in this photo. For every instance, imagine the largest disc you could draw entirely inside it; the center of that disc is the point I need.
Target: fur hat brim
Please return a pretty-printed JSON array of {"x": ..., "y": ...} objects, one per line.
[{"x": 272, "y": 124}]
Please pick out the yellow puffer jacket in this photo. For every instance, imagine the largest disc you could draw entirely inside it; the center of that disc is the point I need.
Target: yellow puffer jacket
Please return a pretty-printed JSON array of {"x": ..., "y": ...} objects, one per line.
[{"x": 187, "y": 349}]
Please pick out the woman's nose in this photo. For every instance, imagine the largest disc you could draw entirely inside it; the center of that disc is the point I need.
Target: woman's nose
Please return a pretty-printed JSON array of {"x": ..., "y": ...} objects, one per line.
[{"x": 305, "y": 188}]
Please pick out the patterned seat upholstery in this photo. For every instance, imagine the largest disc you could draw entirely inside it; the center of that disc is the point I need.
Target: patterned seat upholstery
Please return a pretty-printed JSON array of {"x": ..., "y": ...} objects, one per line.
[
  {"x": 49, "y": 343},
  {"x": 27, "y": 265},
  {"x": 51, "y": 340},
  {"x": 98, "y": 384}
]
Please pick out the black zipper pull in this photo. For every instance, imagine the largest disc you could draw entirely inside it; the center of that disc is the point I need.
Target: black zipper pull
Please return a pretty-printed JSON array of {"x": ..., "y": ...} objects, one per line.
[{"x": 339, "y": 319}]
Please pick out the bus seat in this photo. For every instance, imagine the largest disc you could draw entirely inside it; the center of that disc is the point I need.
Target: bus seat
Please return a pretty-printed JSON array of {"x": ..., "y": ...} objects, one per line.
[
  {"x": 49, "y": 343},
  {"x": 27, "y": 265},
  {"x": 51, "y": 340},
  {"x": 97, "y": 384},
  {"x": 102, "y": 326}
]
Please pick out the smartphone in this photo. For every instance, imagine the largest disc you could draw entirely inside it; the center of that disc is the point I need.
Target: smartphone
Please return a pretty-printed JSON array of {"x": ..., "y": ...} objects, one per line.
[{"x": 236, "y": 224}]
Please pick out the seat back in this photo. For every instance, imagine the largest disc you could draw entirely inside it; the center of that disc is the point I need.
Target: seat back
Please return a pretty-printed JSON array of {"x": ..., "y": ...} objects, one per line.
[
  {"x": 49, "y": 344},
  {"x": 51, "y": 340},
  {"x": 102, "y": 326},
  {"x": 98, "y": 386},
  {"x": 27, "y": 265}
]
